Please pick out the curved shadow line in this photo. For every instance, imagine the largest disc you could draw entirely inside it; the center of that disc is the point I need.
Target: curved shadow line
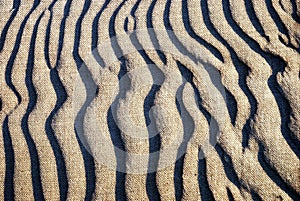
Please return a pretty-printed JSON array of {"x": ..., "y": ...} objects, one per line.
[
  {"x": 13, "y": 55},
  {"x": 154, "y": 142},
  {"x": 88, "y": 159},
  {"x": 280, "y": 25},
  {"x": 277, "y": 65},
  {"x": 91, "y": 88},
  {"x": 35, "y": 166},
  {"x": 133, "y": 10},
  {"x": 231, "y": 104},
  {"x": 203, "y": 184},
  {"x": 272, "y": 173},
  {"x": 59, "y": 158},
  {"x": 61, "y": 95},
  {"x": 16, "y": 6},
  {"x": 188, "y": 131},
  {"x": 255, "y": 196},
  {"x": 188, "y": 75},
  {"x": 205, "y": 192},
  {"x": 241, "y": 68},
  {"x": 9, "y": 193},
  {"x": 153, "y": 38},
  {"x": 154, "y": 145},
  {"x": 228, "y": 166},
  {"x": 181, "y": 48},
  {"x": 295, "y": 16},
  {"x": 47, "y": 38},
  {"x": 229, "y": 194},
  {"x": 95, "y": 34},
  {"x": 62, "y": 31},
  {"x": 238, "y": 30},
  {"x": 116, "y": 137},
  {"x": 191, "y": 32},
  {"x": 61, "y": 98},
  {"x": 254, "y": 19}
]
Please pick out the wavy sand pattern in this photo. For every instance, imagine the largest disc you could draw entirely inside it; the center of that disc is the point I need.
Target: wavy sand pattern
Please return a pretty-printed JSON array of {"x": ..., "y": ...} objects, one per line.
[{"x": 150, "y": 100}]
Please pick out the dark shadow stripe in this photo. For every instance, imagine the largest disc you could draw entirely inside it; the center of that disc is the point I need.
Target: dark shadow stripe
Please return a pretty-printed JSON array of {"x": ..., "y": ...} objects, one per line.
[
  {"x": 228, "y": 166},
  {"x": 241, "y": 68},
  {"x": 89, "y": 170},
  {"x": 9, "y": 162},
  {"x": 62, "y": 30},
  {"x": 35, "y": 164},
  {"x": 78, "y": 25},
  {"x": 274, "y": 62},
  {"x": 62, "y": 96},
  {"x": 255, "y": 196},
  {"x": 47, "y": 40},
  {"x": 178, "y": 172},
  {"x": 16, "y": 6},
  {"x": 274, "y": 175},
  {"x": 154, "y": 142},
  {"x": 231, "y": 104},
  {"x": 60, "y": 161},
  {"x": 120, "y": 191},
  {"x": 112, "y": 32},
  {"x": 95, "y": 25},
  {"x": 133, "y": 10},
  {"x": 188, "y": 75},
  {"x": 91, "y": 91},
  {"x": 229, "y": 194},
  {"x": 126, "y": 24},
  {"x": 59, "y": 158},
  {"x": 238, "y": 30},
  {"x": 191, "y": 32},
  {"x": 295, "y": 16},
  {"x": 154, "y": 145},
  {"x": 14, "y": 53},
  {"x": 188, "y": 128},
  {"x": 254, "y": 19},
  {"x": 280, "y": 25},
  {"x": 212, "y": 71},
  {"x": 115, "y": 135},
  {"x": 88, "y": 159},
  {"x": 95, "y": 34},
  {"x": 48, "y": 32},
  {"x": 150, "y": 13},
  {"x": 205, "y": 192},
  {"x": 278, "y": 65},
  {"x": 120, "y": 186},
  {"x": 153, "y": 38}
]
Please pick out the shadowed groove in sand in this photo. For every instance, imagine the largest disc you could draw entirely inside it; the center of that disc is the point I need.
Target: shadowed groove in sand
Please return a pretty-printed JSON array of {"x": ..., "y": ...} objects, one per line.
[
  {"x": 241, "y": 68},
  {"x": 9, "y": 161},
  {"x": 12, "y": 57},
  {"x": 276, "y": 63},
  {"x": 88, "y": 160},
  {"x": 61, "y": 97},
  {"x": 15, "y": 8},
  {"x": 35, "y": 166}
]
